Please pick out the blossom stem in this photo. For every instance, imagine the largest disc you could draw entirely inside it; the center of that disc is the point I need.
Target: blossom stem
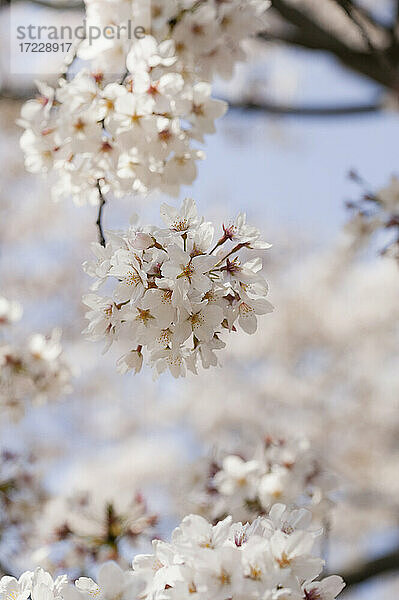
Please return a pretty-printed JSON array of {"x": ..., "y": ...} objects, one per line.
[
  {"x": 220, "y": 243},
  {"x": 235, "y": 249},
  {"x": 101, "y": 237}
]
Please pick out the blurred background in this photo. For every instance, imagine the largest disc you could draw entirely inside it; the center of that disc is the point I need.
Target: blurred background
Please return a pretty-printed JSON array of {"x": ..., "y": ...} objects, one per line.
[{"x": 100, "y": 470}]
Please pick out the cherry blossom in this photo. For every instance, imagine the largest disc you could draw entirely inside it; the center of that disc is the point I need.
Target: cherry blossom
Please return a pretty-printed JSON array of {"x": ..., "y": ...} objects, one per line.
[
  {"x": 32, "y": 371},
  {"x": 175, "y": 291},
  {"x": 229, "y": 560},
  {"x": 128, "y": 121},
  {"x": 246, "y": 484}
]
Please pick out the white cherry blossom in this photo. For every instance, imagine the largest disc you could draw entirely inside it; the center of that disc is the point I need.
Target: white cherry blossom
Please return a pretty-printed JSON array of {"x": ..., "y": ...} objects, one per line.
[{"x": 175, "y": 292}]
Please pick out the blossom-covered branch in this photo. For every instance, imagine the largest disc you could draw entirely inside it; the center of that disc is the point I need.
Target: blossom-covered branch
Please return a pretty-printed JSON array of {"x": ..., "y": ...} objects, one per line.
[
  {"x": 272, "y": 558},
  {"x": 247, "y": 485},
  {"x": 133, "y": 118},
  {"x": 83, "y": 531},
  {"x": 31, "y": 372},
  {"x": 177, "y": 290}
]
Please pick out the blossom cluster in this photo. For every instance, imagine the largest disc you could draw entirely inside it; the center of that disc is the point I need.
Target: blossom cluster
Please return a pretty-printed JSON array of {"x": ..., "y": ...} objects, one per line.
[
  {"x": 122, "y": 137},
  {"x": 271, "y": 559},
  {"x": 86, "y": 531},
  {"x": 377, "y": 212},
  {"x": 245, "y": 487},
  {"x": 208, "y": 34},
  {"x": 176, "y": 290},
  {"x": 22, "y": 496},
  {"x": 137, "y": 131},
  {"x": 30, "y": 372}
]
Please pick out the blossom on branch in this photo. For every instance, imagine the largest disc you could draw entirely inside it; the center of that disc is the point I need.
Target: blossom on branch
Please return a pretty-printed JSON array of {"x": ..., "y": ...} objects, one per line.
[
  {"x": 208, "y": 34},
  {"x": 30, "y": 372},
  {"x": 271, "y": 559},
  {"x": 246, "y": 485},
  {"x": 78, "y": 533},
  {"x": 128, "y": 122},
  {"x": 176, "y": 291}
]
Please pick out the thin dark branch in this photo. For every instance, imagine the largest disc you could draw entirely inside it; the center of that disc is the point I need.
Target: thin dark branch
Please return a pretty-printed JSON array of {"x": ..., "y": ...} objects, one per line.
[
  {"x": 308, "y": 111},
  {"x": 101, "y": 237},
  {"x": 59, "y": 5},
  {"x": 373, "y": 568}
]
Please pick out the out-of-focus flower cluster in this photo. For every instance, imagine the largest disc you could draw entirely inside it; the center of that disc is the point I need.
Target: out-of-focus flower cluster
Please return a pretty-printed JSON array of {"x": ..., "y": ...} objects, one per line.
[
  {"x": 208, "y": 34},
  {"x": 137, "y": 131},
  {"x": 270, "y": 559},
  {"x": 377, "y": 212},
  {"x": 81, "y": 532},
  {"x": 247, "y": 486},
  {"x": 177, "y": 290},
  {"x": 22, "y": 496},
  {"x": 30, "y": 372}
]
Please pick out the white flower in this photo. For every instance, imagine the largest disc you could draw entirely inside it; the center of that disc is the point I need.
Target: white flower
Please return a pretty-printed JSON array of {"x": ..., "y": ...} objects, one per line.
[
  {"x": 130, "y": 117},
  {"x": 132, "y": 361},
  {"x": 237, "y": 477},
  {"x": 202, "y": 323},
  {"x": 39, "y": 585},
  {"x": 248, "y": 309},
  {"x": 45, "y": 349},
  {"x": 291, "y": 554},
  {"x": 243, "y": 233},
  {"x": 272, "y": 486},
  {"x": 181, "y": 221},
  {"x": 17, "y": 589},
  {"x": 202, "y": 110},
  {"x": 186, "y": 272},
  {"x": 128, "y": 269},
  {"x": 326, "y": 589},
  {"x": 198, "y": 532},
  {"x": 10, "y": 311},
  {"x": 113, "y": 584}
]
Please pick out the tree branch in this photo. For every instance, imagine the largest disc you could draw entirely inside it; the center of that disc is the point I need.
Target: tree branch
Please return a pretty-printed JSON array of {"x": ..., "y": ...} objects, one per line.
[
  {"x": 352, "y": 12},
  {"x": 101, "y": 237},
  {"x": 373, "y": 568},
  {"x": 309, "y": 34},
  {"x": 60, "y": 5},
  {"x": 308, "y": 111}
]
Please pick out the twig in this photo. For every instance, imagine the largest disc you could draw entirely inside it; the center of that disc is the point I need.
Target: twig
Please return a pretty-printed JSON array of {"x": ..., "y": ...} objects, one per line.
[
  {"x": 325, "y": 549},
  {"x": 101, "y": 237}
]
